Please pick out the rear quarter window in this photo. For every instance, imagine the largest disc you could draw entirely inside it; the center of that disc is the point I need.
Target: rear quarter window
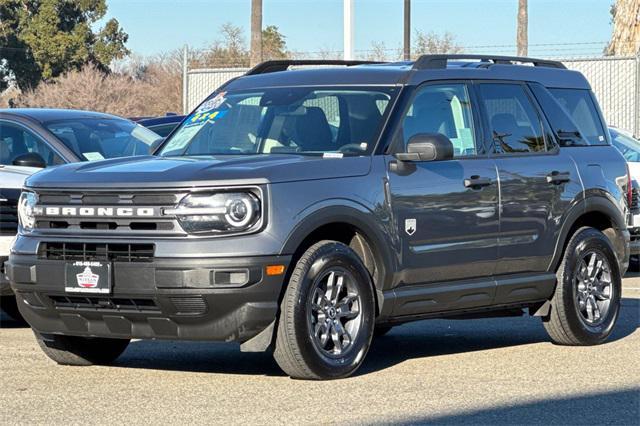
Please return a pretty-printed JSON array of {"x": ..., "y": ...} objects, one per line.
[{"x": 580, "y": 106}]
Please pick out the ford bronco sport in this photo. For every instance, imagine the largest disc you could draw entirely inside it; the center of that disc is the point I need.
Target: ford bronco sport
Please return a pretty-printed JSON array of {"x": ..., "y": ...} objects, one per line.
[{"x": 305, "y": 210}]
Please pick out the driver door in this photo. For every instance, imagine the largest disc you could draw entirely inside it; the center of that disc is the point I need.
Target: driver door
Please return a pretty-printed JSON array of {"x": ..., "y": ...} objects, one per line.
[{"x": 446, "y": 212}]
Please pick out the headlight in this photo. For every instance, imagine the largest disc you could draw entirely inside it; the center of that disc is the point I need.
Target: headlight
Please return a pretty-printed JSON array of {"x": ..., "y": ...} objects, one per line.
[
  {"x": 222, "y": 212},
  {"x": 26, "y": 210}
]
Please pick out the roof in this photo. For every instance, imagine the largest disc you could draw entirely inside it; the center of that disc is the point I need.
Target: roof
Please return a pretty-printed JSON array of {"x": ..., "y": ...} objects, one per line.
[
  {"x": 44, "y": 114},
  {"x": 426, "y": 68}
]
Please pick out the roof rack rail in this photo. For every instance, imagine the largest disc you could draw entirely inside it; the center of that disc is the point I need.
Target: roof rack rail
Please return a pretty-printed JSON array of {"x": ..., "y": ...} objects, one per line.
[
  {"x": 434, "y": 62},
  {"x": 283, "y": 64}
]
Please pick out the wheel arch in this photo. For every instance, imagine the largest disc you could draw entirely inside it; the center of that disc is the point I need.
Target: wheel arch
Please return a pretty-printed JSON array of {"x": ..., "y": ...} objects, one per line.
[
  {"x": 354, "y": 225},
  {"x": 594, "y": 211}
]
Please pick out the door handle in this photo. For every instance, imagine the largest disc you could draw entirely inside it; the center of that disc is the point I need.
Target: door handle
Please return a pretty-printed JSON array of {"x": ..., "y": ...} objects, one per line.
[
  {"x": 556, "y": 177},
  {"x": 476, "y": 182}
]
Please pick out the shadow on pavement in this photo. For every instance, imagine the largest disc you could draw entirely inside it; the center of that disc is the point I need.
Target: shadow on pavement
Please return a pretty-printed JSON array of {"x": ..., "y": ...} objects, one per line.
[
  {"x": 620, "y": 407},
  {"x": 414, "y": 340},
  {"x": 7, "y": 322}
]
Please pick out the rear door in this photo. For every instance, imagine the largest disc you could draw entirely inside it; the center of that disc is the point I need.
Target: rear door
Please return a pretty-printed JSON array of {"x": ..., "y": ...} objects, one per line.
[{"x": 538, "y": 181}]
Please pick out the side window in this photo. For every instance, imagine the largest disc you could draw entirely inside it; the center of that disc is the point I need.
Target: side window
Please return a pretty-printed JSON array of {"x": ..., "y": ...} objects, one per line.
[
  {"x": 579, "y": 105},
  {"x": 445, "y": 109},
  {"x": 513, "y": 121},
  {"x": 16, "y": 141}
]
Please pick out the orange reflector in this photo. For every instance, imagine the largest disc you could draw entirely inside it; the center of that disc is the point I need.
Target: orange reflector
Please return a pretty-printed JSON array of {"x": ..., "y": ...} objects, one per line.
[{"x": 275, "y": 269}]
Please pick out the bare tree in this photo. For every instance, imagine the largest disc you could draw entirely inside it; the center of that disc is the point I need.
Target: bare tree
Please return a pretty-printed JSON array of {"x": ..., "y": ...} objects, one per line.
[
  {"x": 522, "y": 36},
  {"x": 378, "y": 51},
  {"x": 434, "y": 43},
  {"x": 256, "y": 32}
]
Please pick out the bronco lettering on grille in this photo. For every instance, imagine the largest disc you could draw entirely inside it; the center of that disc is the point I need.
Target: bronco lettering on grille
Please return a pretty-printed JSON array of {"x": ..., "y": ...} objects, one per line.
[{"x": 96, "y": 211}]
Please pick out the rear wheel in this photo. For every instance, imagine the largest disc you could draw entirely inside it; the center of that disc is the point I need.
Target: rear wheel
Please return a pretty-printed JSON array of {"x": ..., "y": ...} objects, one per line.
[
  {"x": 586, "y": 302},
  {"x": 327, "y": 314},
  {"x": 75, "y": 350}
]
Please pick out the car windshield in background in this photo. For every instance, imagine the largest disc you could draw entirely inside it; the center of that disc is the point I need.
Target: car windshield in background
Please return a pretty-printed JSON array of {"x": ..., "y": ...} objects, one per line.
[
  {"x": 628, "y": 146},
  {"x": 99, "y": 138},
  {"x": 283, "y": 120}
]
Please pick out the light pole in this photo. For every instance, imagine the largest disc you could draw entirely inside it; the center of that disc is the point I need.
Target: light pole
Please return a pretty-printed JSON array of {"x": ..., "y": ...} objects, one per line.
[
  {"x": 407, "y": 30},
  {"x": 348, "y": 30}
]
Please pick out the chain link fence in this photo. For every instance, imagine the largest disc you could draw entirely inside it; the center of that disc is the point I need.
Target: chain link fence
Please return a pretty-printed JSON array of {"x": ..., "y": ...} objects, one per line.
[{"x": 615, "y": 81}]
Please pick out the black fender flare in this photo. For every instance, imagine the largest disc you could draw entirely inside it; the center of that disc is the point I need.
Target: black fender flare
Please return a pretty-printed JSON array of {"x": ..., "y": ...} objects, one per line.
[
  {"x": 589, "y": 204},
  {"x": 356, "y": 215}
]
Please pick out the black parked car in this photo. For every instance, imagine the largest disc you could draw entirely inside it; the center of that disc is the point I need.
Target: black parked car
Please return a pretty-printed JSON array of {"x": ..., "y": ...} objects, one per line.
[
  {"x": 304, "y": 210},
  {"x": 161, "y": 125},
  {"x": 32, "y": 139}
]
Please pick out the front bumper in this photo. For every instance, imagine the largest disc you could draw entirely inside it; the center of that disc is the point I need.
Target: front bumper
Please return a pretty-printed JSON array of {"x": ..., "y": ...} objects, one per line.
[{"x": 168, "y": 298}]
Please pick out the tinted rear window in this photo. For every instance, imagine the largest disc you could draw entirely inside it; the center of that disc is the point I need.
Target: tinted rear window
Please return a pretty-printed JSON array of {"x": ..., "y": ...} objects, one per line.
[{"x": 580, "y": 106}]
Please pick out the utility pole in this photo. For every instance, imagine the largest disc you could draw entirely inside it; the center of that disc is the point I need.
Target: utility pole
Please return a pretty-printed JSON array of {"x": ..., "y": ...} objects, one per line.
[
  {"x": 407, "y": 30},
  {"x": 522, "y": 39},
  {"x": 256, "y": 32},
  {"x": 348, "y": 30}
]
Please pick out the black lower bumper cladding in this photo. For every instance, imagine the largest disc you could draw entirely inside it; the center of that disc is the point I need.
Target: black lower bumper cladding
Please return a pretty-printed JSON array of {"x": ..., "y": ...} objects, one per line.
[{"x": 216, "y": 299}]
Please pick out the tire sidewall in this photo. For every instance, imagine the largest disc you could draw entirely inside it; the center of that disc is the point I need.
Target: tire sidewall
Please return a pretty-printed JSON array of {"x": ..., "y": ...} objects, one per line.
[
  {"x": 585, "y": 241},
  {"x": 334, "y": 255}
]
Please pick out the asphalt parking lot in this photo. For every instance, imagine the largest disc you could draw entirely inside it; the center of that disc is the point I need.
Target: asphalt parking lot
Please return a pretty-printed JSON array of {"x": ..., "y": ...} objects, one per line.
[{"x": 498, "y": 371}]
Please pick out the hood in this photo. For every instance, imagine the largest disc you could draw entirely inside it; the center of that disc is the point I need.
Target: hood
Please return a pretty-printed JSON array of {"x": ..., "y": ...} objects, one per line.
[
  {"x": 176, "y": 172},
  {"x": 13, "y": 177}
]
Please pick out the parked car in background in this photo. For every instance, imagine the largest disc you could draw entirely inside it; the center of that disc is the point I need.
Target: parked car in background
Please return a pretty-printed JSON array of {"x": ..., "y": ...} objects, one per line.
[
  {"x": 161, "y": 125},
  {"x": 630, "y": 149},
  {"x": 32, "y": 139}
]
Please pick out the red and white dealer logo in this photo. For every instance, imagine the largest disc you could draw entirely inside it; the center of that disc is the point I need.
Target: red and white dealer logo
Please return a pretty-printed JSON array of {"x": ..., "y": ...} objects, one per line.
[{"x": 87, "y": 279}]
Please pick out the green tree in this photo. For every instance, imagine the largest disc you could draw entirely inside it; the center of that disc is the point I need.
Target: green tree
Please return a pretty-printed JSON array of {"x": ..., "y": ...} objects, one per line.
[
  {"x": 42, "y": 39},
  {"x": 274, "y": 45}
]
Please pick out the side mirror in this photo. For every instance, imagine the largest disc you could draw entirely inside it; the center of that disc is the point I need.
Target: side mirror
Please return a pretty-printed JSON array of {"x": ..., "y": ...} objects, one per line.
[
  {"x": 155, "y": 145},
  {"x": 427, "y": 147},
  {"x": 30, "y": 159}
]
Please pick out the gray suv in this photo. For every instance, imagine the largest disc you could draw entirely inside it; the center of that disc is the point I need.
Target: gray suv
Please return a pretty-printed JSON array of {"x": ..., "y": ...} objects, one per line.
[{"x": 307, "y": 210}]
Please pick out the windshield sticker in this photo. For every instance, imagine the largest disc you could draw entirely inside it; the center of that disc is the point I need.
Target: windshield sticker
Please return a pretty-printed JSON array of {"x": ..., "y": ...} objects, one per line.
[
  {"x": 332, "y": 155},
  {"x": 213, "y": 103},
  {"x": 204, "y": 117},
  {"x": 93, "y": 156}
]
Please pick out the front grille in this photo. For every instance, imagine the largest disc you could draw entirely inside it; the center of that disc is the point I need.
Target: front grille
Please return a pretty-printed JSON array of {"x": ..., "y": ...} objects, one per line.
[
  {"x": 104, "y": 303},
  {"x": 97, "y": 252},
  {"x": 109, "y": 225}
]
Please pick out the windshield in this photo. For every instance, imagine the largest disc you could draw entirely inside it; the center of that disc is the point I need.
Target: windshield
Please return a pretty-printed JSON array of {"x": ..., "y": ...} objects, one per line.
[
  {"x": 628, "y": 146},
  {"x": 94, "y": 139},
  {"x": 283, "y": 120}
]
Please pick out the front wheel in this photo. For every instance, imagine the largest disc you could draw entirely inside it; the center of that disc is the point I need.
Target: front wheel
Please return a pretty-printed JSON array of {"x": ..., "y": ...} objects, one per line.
[
  {"x": 81, "y": 351},
  {"x": 586, "y": 302},
  {"x": 327, "y": 314}
]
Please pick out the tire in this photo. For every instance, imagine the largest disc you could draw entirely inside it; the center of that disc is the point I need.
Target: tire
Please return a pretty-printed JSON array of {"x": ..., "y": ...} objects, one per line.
[
  {"x": 569, "y": 321},
  {"x": 381, "y": 330},
  {"x": 81, "y": 351},
  {"x": 305, "y": 345},
  {"x": 9, "y": 306}
]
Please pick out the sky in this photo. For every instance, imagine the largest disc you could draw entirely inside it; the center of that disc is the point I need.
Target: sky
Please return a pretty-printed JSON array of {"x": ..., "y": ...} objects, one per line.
[{"x": 556, "y": 27}]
